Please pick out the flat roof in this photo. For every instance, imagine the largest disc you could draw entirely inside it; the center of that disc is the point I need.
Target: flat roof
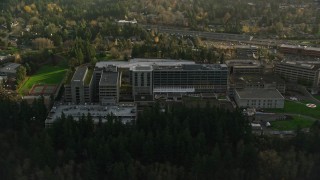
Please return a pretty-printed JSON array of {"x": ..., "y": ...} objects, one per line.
[
  {"x": 10, "y": 67},
  {"x": 142, "y": 68},
  {"x": 160, "y": 64},
  {"x": 142, "y": 62},
  {"x": 192, "y": 67},
  {"x": 302, "y": 64},
  {"x": 96, "y": 111},
  {"x": 109, "y": 78},
  {"x": 259, "y": 93},
  {"x": 268, "y": 78},
  {"x": 239, "y": 62},
  {"x": 80, "y": 73}
]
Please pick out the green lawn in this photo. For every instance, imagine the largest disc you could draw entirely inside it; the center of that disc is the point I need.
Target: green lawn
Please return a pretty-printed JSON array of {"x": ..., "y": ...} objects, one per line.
[
  {"x": 292, "y": 124},
  {"x": 298, "y": 108},
  {"x": 45, "y": 75}
]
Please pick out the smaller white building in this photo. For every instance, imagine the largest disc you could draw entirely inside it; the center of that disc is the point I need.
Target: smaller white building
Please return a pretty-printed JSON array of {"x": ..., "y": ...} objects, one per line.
[{"x": 259, "y": 98}]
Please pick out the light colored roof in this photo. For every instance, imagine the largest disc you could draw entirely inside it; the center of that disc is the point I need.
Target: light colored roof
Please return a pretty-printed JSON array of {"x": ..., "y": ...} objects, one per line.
[
  {"x": 96, "y": 111},
  {"x": 129, "y": 22},
  {"x": 160, "y": 64},
  {"x": 142, "y": 68},
  {"x": 142, "y": 62},
  {"x": 259, "y": 94},
  {"x": 10, "y": 68}
]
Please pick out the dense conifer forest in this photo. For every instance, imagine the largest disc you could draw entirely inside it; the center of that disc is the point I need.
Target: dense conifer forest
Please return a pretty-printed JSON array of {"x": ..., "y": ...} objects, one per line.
[{"x": 178, "y": 143}]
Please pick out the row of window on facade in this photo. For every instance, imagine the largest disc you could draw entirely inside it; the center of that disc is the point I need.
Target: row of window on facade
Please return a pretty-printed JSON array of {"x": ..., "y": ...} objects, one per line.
[
  {"x": 261, "y": 102},
  {"x": 142, "y": 83}
]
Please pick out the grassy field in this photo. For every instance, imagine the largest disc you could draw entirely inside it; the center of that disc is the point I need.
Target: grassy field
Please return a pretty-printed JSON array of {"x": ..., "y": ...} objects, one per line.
[
  {"x": 298, "y": 108},
  {"x": 292, "y": 124},
  {"x": 45, "y": 75}
]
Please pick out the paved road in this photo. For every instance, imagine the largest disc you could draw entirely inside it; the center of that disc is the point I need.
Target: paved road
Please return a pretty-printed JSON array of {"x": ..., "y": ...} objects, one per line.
[
  {"x": 219, "y": 36},
  {"x": 304, "y": 116}
]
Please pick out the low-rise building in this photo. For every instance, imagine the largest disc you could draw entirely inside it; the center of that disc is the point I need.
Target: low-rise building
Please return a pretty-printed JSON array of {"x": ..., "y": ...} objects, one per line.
[
  {"x": 259, "y": 98},
  {"x": 258, "y": 81},
  {"x": 239, "y": 66},
  {"x": 305, "y": 73},
  {"x": 300, "y": 50},
  {"x": 246, "y": 51},
  {"x": 9, "y": 69},
  {"x": 126, "y": 113}
]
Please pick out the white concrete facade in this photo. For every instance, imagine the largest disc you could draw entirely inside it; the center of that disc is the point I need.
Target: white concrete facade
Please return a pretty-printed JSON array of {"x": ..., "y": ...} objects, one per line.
[{"x": 259, "y": 98}]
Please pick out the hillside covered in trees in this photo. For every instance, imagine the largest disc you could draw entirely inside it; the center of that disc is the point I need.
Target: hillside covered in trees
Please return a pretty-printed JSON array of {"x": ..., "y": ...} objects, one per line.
[
  {"x": 87, "y": 31},
  {"x": 284, "y": 18},
  {"x": 180, "y": 143}
]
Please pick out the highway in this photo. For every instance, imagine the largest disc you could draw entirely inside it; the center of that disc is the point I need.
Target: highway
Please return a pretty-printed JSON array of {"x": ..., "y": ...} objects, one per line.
[{"x": 247, "y": 39}]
